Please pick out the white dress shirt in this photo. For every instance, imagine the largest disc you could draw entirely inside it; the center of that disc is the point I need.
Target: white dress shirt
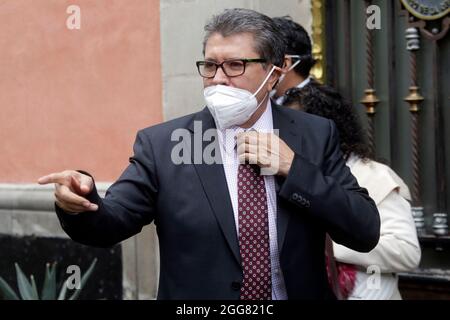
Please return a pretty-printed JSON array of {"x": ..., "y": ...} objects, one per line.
[{"x": 228, "y": 151}]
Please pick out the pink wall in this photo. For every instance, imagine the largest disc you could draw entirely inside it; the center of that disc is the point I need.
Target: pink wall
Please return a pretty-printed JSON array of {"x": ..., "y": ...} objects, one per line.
[{"x": 75, "y": 98}]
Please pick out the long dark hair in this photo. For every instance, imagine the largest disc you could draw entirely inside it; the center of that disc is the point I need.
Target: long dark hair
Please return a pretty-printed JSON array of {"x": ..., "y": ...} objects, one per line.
[{"x": 326, "y": 102}]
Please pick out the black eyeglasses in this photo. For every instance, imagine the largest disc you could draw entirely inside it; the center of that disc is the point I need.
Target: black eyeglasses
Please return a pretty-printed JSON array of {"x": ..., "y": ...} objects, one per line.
[{"x": 232, "y": 68}]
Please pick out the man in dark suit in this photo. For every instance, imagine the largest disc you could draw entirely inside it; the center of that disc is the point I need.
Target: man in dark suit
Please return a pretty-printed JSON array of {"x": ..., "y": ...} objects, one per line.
[{"x": 252, "y": 224}]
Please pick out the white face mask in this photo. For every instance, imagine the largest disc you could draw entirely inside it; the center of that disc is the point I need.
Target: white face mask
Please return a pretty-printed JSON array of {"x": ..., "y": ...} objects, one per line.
[{"x": 232, "y": 106}]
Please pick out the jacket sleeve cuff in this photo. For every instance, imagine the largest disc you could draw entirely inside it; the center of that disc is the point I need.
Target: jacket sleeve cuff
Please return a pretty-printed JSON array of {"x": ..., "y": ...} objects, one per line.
[
  {"x": 69, "y": 219},
  {"x": 294, "y": 189}
]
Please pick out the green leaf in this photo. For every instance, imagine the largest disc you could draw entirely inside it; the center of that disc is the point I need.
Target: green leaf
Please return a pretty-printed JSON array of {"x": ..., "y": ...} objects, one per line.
[
  {"x": 84, "y": 279},
  {"x": 49, "y": 286},
  {"x": 25, "y": 288},
  {"x": 7, "y": 292},
  {"x": 34, "y": 287},
  {"x": 62, "y": 293}
]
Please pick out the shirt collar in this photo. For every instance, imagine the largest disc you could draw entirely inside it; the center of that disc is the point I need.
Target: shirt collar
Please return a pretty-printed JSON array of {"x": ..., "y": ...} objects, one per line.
[
  {"x": 263, "y": 124},
  {"x": 352, "y": 159},
  {"x": 265, "y": 121},
  {"x": 304, "y": 82},
  {"x": 280, "y": 100}
]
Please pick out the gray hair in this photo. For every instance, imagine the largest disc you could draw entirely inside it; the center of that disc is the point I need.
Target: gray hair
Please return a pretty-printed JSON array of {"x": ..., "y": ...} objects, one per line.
[{"x": 269, "y": 41}]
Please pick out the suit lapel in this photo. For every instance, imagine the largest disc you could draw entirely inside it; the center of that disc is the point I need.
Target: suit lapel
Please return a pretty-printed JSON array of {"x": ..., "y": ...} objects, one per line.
[
  {"x": 212, "y": 177},
  {"x": 288, "y": 133}
]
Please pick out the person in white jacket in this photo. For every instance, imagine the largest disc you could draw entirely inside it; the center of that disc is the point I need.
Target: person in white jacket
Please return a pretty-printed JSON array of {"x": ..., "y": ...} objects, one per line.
[{"x": 372, "y": 275}]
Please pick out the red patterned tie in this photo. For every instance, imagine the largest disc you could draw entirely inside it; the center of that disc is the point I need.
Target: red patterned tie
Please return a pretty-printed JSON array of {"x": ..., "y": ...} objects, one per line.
[{"x": 253, "y": 235}]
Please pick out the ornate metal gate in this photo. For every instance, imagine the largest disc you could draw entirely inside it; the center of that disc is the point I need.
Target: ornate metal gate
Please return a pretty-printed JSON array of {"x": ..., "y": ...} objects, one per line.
[{"x": 397, "y": 73}]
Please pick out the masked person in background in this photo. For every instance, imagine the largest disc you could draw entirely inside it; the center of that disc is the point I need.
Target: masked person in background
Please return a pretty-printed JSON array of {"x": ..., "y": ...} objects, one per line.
[
  {"x": 398, "y": 249},
  {"x": 298, "y": 59},
  {"x": 232, "y": 232}
]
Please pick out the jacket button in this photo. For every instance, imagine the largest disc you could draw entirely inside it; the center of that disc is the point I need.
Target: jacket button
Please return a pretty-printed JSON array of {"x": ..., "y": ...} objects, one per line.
[
  {"x": 295, "y": 196},
  {"x": 236, "y": 285}
]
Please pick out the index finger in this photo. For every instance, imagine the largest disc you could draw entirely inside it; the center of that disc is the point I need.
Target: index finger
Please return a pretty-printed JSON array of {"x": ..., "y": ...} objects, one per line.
[
  {"x": 52, "y": 178},
  {"x": 249, "y": 137}
]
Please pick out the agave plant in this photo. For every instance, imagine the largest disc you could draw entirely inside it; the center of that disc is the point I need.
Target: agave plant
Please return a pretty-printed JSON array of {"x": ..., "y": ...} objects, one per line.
[{"x": 28, "y": 289}]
